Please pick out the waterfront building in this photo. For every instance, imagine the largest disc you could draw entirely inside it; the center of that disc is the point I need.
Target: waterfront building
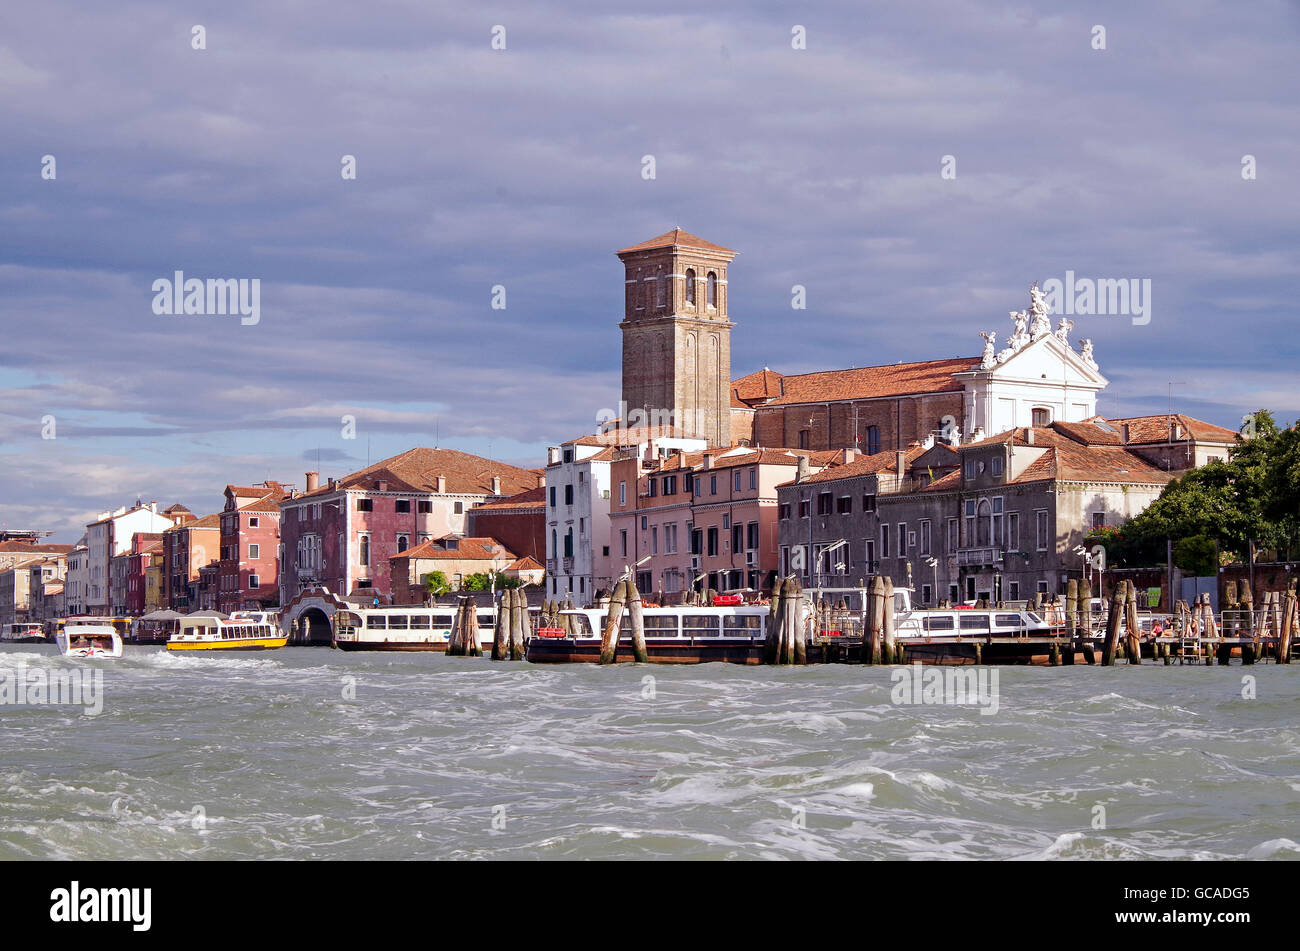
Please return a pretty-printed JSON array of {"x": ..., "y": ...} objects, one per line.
[
  {"x": 187, "y": 549},
  {"x": 250, "y": 547},
  {"x": 110, "y": 535}
]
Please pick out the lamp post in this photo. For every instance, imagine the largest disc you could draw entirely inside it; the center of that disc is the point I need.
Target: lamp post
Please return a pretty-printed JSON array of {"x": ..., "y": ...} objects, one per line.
[{"x": 934, "y": 563}]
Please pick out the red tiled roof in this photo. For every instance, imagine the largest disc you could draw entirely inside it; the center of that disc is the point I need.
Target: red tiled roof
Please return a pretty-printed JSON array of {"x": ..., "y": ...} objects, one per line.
[
  {"x": 207, "y": 521},
  {"x": 618, "y": 436},
  {"x": 1155, "y": 429},
  {"x": 897, "y": 379},
  {"x": 533, "y": 498},
  {"x": 676, "y": 238},
  {"x": 40, "y": 548},
  {"x": 869, "y": 465},
  {"x": 757, "y": 387},
  {"x": 417, "y": 470},
  {"x": 467, "y": 549},
  {"x": 526, "y": 563}
]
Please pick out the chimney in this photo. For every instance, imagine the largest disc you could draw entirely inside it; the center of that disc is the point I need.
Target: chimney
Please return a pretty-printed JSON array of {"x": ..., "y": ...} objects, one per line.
[
  {"x": 1175, "y": 431},
  {"x": 849, "y": 456},
  {"x": 801, "y": 470},
  {"x": 900, "y": 466},
  {"x": 1029, "y": 436},
  {"x": 541, "y": 480},
  {"x": 313, "y": 481},
  {"x": 1126, "y": 434},
  {"x": 442, "y": 483},
  {"x": 333, "y": 483},
  {"x": 706, "y": 461},
  {"x": 496, "y": 485}
]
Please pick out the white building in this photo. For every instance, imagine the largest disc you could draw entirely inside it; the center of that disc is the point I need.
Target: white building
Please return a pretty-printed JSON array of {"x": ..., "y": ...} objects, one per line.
[
  {"x": 1035, "y": 380},
  {"x": 110, "y": 535},
  {"x": 578, "y": 560}
]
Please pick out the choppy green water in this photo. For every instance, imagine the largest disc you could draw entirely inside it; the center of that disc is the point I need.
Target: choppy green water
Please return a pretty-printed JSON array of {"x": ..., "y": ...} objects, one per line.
[{"x": 263, "y": 756}]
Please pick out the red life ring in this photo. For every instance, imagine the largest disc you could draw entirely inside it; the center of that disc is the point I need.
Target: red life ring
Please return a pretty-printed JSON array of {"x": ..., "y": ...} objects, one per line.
[{"x": 550, "y": 632}]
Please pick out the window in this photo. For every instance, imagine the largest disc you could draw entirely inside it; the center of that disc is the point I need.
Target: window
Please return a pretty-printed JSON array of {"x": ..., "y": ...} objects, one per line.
[
  {"x": 1040, "y": 519},
  {"x": 737, "y": 537},
  {"x": 690, "y": 285},
  {"x": 873, "y": 440},
  {"x": 970, "y": 470},
  {"x": 670, "y": 538},
  {"x": 651, "y": 488},
  {"x": 622, "y": 493},
  {"x": 403, "y": 542},
  {"x": 402, "y": 506},
  {"x": 1013, "y": 589},
  {"x": 902, "y": 539},
  {"x": 783, "y": 511},
  {"x": 726, "y": 520},
  {"x": 1013, "y": 532},
  {"x": 712, "y": 541},
  {"x": 254, "y": 552},
  {"x": 870, "y": 556},
  {"x": 645, "y": 522},
  {"x": 824, "y": 503},
  {"x": 1098, "y": 520},
  {"x": 568, "y": 543},
  {"x": 654, "y": 540},
  {"x": 805, "y": 438},
  {"x": 697, "y": 486},
  {"x": 458, "y": 508},
  {"x": 254, "y": 582},
  {"x": 365, "y": 505},
  {"x": 736, "y": 480},
  {"x": 1042, "y": 416},
  {"x": 568, "y": 495},
  {"x": 622, "y": 539},
  {"x": 953, "y": 542},
  {"x": 659, "y": 289},
  {"x": 844, "y": 505},
  {"x": 925, "y": 539},
  {"x": 713, "y": 485},
  {"x": 364, "y": 550},
  {"x": 753, "y": 478},
  {"x": 805, "y": 507},
  {"x": 751, "y": 536},
  {"x": 925, "y": 594},
  {"x": 711, "y": 290},
  {"x": 995, "y": 465},
  {"x": 670, "y": 485},
  {"x": 552, "y": 496},
  {"x": 884, "y": 541},
  {"x": 869, "y": 502},
  {"x": 425, "y": 506},
  {"x": 970, "y": 521},
  {"x": 253, "y": 521},
  {"x": 568, "y": 455}
]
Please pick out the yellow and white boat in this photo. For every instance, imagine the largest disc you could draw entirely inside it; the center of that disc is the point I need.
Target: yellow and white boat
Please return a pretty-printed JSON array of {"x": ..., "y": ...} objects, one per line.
[{"x": 242, "y": 631}]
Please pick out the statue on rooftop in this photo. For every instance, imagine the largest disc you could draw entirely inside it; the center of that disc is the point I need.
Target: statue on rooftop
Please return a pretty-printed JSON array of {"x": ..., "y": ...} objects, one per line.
[
  {"x": 1085, "y": 351},
  {"x": 990, "y": 357},
  {"x": 1063, "y": 330},
  {"x": 1042, "y": 325},
  {"x": 1021, "y": 335}
]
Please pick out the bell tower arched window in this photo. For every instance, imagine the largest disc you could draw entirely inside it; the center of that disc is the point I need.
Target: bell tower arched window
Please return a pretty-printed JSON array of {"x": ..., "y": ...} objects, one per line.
[
  {"x": 690, "y": 286},
  {"x": 711, "y": 290}
]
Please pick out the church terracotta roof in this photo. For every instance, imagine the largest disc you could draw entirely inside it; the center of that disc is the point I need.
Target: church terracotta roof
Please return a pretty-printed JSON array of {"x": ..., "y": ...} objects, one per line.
[
  {"x": 896, "y": 379},
  {"x": 676, "y": 238},
  {"x": 869, "y": 465},
  {"x": 757, "y": 387}
]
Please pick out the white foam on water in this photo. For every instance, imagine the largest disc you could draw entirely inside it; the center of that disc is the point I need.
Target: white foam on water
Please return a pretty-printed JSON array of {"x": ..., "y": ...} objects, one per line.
[{"x": 1272, "y": 847}]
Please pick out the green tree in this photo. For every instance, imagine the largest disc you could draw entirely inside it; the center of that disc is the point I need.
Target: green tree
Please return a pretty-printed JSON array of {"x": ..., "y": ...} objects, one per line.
[
  {"x": 435, "y": 583},
  {"x": 483, "y": 581}
]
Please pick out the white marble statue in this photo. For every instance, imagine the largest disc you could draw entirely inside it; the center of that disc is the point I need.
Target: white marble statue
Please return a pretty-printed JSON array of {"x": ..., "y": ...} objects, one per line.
[
  {"x": 990, "y": 358},
  {"x": 1063, "y": 330},
  {"x": 1085, "y": 351},
  {"x": 1021, "y": 335}
]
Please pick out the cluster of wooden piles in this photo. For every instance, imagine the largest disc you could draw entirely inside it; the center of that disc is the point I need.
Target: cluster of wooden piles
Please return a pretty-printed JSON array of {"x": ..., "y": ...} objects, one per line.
[
  {"x": 510, "y": 634},
  {"x": 625, "y": 597}
]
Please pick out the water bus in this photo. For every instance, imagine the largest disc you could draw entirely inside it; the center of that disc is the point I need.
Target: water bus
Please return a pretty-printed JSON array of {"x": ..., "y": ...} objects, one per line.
[
  {"x": 89, "y": 637},
  {"x": 22, "y": 633},
  {"x": 411, "y": 627},
  {"x": 730, "y": 633},
  {"x": 242, "y": 631}
]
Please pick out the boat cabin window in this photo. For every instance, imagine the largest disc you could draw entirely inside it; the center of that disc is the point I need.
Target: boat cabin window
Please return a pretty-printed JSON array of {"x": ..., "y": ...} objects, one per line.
[
  {"x": 1008, "y": 620},
  {"x": 442, "y": 620},
  {"x": 376, "y": 621},
  {"x": 420, "y": 622},
  {"x": 943, "y": 622},
  {"x": 656, "y": 625},
  {"x": 1033, "y": 618},
  {"x": 974, "y": 622},
  {"x": 397, "y": 622},
  {"x": 700, "y": 625},
  {"x": 581, "y": 625},
  {"x": 741, "y": 625}
]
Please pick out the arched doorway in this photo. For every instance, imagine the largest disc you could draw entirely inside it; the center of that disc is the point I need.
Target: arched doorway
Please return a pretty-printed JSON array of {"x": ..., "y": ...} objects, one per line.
[{"x": 313, "y": 628}]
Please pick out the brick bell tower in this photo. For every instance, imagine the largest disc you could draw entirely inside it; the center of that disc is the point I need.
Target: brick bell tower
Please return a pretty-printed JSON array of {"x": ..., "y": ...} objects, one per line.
[{"x": 676, "y": 335}]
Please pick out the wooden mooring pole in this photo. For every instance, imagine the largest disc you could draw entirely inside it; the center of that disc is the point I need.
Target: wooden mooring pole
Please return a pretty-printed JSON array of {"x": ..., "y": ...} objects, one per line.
[
  {"x": 609, "y": 636},
  {"x": 1112, "y": 626},
  {"x": 639, "y": 652}
]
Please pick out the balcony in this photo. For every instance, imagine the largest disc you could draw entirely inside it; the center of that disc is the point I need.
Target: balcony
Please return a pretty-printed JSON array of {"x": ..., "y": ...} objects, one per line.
[{"x": 979, "y": 557}]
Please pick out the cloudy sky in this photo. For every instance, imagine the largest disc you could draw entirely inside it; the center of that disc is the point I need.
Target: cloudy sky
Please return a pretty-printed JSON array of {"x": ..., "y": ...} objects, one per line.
[{"x": 522, "y": 167}]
